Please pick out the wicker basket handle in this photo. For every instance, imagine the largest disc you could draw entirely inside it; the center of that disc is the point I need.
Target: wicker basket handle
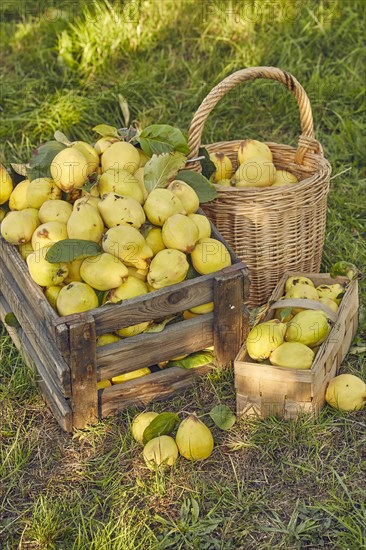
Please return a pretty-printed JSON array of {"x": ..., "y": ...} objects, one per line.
[{"x": 307, "y": 142}]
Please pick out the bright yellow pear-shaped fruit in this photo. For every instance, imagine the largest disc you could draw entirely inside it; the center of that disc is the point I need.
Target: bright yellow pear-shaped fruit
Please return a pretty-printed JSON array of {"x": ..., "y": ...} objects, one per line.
[
  {"x": 43, "y": 272},
  {"x": 122, "y": 183},
  {"x": 180, "y": 232},
  {"x": 103, "y": 272},
  {"x": 203, "y": 225},
  {"x": 194, "y": 439},
  {"x": 210, "y": 255},
  {"x": 6, "y": 185},
  {"x": 161, "y": 204},
  {"x": 138, "y": 273},
  {"x": 168, "y": 267},
  {"x": 143, "y": 158},
  {"x": 103, "y": 384},
  {"x": 34, "y": 214},
  {"x": 255, "y": 172},
  {"x": 75, "y": 298},
  {"x": 292, "y": 355},
  {"x": 55, "y": 211},
  {"x": 25, "y": 249},
  {"x": 203, "y": 308},
  {"x": 140, "y": 423},
  {"x": 89, "y": 153},
  {"x": 116, "y": 210},
  {"x": 18, "y": 198},
  {"x": 187, "y": 196},
  {"x": 346, "y": 392},
  {"x": 88, "y": 199},
  {"x": 48, "y": 233},
  {"x": 121, "y": 156},
  {"x": 294, "y": 281},
  {"x": 224, "y": 168},
  {"x": 85, "y": 223},
  {"x": 103, "y": 143},
  {"x": 283, "y": 177},
  {"x": 70, "y": 169},
  {"x": 107, "y": 338},
  {"x": 302, "y": 291},
  {"x": 2, "y": 214},
  {"x": 250, "y": 148},
  {"x": 329, "y": 303},
  {"x": 140, "y": 177},
  {"x": 133, "y": 330},
  {"x": 130, "y": 288},
  {"x": 74, "y": 271},
  {"x": 154, "y": 240},
  {"x": 224, "y": 183},
  {"x": 18, "y": 227},
  {"x": 130, "y": 375},
  {"x": 40, "y": 190},
  {"x": 160, "y": 451},
  {"x": 334, "y": 292},
  {"x": 264, "y": 338},
  {"x": 51, "y": 293},
  {"x": 127, "y": 244},
  {"x": 309, "y": 327}
]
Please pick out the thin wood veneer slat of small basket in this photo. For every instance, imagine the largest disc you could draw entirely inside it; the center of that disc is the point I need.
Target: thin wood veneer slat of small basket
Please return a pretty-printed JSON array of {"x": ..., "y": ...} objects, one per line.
[{"x": 253, "y": 73}]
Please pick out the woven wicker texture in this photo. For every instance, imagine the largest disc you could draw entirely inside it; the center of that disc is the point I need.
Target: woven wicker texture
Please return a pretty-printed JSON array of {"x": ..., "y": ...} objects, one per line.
[{"x": 271, "y": 229}]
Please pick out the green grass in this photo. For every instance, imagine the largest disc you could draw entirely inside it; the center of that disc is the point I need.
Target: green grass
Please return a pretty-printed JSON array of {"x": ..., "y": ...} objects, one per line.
[{"x": 269, "y": 484}]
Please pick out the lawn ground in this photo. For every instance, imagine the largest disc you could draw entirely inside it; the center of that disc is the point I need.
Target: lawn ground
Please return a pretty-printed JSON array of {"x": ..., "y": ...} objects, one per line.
[{"x": 269, "y": 484}]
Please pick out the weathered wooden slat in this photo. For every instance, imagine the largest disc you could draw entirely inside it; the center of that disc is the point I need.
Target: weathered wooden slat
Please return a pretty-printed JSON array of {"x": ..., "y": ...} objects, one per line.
[
  {"x": 12, "y": 331},
  {"x": 228, "y": 319},
  {"x": 148, "y": 349},
  {"x": 83, "y": 372},
  {"x": 37, "y": 333},
  {"x": 154, "y": 305},
  {"x": 51, "y": 393},
  {"x": 59, "y": 406},
  {"x": 141, "y": 391},
  {"x": 32, "y": 294}
]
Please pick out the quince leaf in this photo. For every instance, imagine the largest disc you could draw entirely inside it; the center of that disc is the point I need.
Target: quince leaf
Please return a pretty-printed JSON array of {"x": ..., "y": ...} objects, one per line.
[
  {"x": 124, "y": 109},
  {"x": 39, "y": 165},
  {"x": 163, "y": 424},
  {"x": 61, "y": 138},
  {"x": 193, "y": 361},
  {"x": 162, "y": 138},
  {"x": 68, "y": 250},
  {"x": 160, "y": 169},
  {"x": 106, "y": 130},
  {"x": 205, "y": 190},
  {"x": 208, "y": 167},
  {"x": 11, "y": 320},
  {"x": 223, "y": 417}
]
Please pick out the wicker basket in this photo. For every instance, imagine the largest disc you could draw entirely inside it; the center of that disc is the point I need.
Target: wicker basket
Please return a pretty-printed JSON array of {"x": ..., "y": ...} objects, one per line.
[{"x": 272, "y": 229}]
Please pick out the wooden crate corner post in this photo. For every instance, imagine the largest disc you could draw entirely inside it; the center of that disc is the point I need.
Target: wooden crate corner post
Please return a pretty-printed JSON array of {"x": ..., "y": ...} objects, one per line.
[
  {"x": 83, "y": 366},
  {"x": 229, "y": 320}
]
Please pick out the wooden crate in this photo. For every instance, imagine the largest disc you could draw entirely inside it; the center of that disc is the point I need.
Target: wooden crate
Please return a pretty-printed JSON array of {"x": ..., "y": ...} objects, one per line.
[
  {"x": 264, "y": 390},
  {"x": 68, "y": 363}
]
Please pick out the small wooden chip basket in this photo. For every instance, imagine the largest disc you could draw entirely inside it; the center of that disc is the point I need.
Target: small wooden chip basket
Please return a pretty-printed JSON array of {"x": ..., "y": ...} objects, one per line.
[
  {"x": 264, "y": 390},
  {"x": 271, "y": 229}
]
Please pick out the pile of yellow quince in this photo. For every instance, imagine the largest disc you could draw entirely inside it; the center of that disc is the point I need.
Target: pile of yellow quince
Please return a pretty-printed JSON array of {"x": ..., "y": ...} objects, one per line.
[{"x": 255, "y": 168}]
